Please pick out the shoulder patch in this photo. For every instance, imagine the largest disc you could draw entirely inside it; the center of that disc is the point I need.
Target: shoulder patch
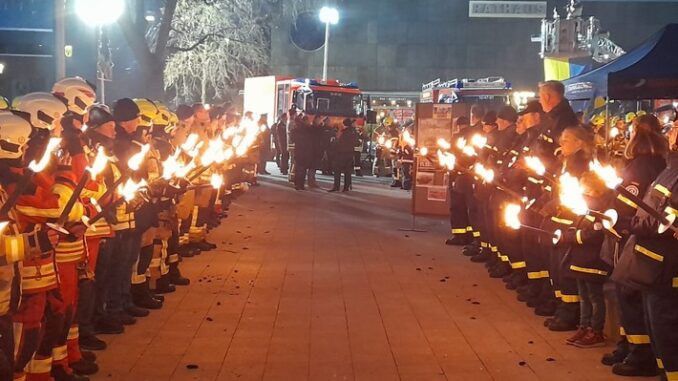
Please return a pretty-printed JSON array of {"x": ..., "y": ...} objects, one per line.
[{"x": 633, "y": 189}]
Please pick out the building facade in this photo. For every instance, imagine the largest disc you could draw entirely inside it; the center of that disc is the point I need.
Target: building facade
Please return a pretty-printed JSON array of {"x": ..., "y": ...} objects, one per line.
[{"x": 396, "y": 45}]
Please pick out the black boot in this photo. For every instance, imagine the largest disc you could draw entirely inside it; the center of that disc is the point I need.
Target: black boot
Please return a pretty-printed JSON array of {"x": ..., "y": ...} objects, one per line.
[
  {"x": 91, "y": 343},
  {"x": 142, "y": 297},
  {"x": 175, "y": 275},
  {"x": 500, "y": 270},
  {"x": 59, "y": 374},
  {"x": 88, "y": 356},
  {"x": 163, "y": 286},
  {"x": 84, "y": 367},
  {"x": 619, "y": 353},
  {"x": 109, "y": 326},
  {"x": 471, "y": 249},
  {"x": 137, "y": 311},
  {"x": 631, "y": 369},
  {"x": 457, "y": 240}
]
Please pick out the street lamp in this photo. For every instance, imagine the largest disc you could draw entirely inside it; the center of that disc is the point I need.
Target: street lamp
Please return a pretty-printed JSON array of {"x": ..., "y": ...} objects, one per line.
[
  {"x": 99, "y": 14},
  {"x": 328, "y": 16}
]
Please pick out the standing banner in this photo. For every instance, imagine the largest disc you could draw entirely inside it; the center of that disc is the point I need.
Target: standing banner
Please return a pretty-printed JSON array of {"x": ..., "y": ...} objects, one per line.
[{"x": 429, "y": 191}]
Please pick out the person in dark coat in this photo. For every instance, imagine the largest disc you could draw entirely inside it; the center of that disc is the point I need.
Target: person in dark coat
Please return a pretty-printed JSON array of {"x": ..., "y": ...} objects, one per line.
[
  {"x": 343, "y": 148},
  {"x": 317, "y": 149},
  {"x": 280, "y": 135},
  {"x": 646, "y": 151},
  {"x": 558, "y": 116},
  {"x": 265, "y": 146},
  {"x": 303, "y": 150}
]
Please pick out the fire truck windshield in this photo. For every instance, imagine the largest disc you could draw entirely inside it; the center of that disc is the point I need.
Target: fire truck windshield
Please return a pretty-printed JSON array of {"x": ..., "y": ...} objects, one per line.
[{"x": 332, "y": 103}]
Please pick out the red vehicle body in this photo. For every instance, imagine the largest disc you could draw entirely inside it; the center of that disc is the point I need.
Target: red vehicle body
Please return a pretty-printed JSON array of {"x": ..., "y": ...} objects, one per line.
[{"x": 275, "y": 95}]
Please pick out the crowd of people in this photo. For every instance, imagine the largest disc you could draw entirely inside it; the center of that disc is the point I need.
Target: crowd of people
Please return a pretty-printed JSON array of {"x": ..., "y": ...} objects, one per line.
[
  {"x": 541, "y": 200},
  {"x": 98, "y": 208},
  {"x": 305, "y": 145}
]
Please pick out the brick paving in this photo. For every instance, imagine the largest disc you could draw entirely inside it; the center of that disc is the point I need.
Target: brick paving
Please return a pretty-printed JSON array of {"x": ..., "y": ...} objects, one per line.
[{"x": 318, "y": 286}]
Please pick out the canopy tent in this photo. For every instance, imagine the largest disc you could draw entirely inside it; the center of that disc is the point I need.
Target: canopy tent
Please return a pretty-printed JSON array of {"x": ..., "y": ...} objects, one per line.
[{"x": 648, "y": 72}]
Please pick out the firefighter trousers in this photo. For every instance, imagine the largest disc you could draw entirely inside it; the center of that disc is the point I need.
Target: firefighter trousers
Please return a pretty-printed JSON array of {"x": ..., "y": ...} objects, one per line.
[
  {"x": 39, "y": 335},
  {"x": 662, "y": 319},
  {"x": 68, "y": 285},
  {"x": 633, "y": 327}
]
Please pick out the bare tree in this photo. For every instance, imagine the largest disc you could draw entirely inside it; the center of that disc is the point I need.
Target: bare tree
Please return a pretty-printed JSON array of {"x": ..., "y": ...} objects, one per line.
[
  {"x": 213, "y": 46},
  {"x": 202, "y": 47}
]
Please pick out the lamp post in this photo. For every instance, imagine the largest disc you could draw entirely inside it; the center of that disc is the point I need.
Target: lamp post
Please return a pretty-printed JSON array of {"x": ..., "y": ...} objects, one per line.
[
  {"x": 328, "y": 16},
  {"x": 100, "y": 14}
]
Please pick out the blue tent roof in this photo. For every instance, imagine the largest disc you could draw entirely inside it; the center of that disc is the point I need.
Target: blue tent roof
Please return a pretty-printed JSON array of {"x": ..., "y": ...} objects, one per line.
[{"x": 648, "y": 72}]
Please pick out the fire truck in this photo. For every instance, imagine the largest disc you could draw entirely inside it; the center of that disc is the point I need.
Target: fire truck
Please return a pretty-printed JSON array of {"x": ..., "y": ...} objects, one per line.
[
  {"x": 490, "y": 90},
  {"x": 275, "y": 95}
]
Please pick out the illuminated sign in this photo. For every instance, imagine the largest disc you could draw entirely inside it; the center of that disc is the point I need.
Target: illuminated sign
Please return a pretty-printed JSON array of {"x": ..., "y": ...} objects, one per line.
[{"x": 507, "y": 9}]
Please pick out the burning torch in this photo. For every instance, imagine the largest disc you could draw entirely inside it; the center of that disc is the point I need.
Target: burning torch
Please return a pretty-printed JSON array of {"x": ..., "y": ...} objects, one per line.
[
  {"x": 512, "y": 220},
  {"x": 612, "y": 181},
  {"x": 33, "y": 168},
  {"x": 90, "y": 173}
]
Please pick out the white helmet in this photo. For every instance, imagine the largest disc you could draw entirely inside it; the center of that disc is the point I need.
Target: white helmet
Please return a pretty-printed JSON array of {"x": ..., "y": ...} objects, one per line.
[
  {"x": 14, "y": 133},
  {"x": 44, "y": 108},
  {"x": 79, "y": 93}
]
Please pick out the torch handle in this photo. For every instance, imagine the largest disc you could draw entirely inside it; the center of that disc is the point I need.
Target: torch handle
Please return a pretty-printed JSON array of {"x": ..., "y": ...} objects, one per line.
[
  {"x": 106, "y": 210},
  {"x": 538, "y": 230},
  {"x": 109, "y": 192},
  {"x": 18, "y": 190},
  {"x": 641, "y": 204},
  {"x": 198, "y": 173},
  {"x": 74, "y": 197}
]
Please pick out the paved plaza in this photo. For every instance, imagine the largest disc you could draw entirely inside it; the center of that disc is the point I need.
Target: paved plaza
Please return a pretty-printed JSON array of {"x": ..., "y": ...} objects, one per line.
[{"x": 319, "y": 286}]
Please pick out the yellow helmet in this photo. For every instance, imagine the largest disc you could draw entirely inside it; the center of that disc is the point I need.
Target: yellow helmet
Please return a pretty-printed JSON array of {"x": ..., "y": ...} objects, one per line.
[
  {"x": 388, "y": 121},
  {"x": 641, "y": 113},
  {"x": 165, "y": 118},
  {"x": 630, "y": 117},
  {"x": 598, "y": 120},
  {"x": 148, "y": 111},
  {"x": 4, "y": 103},
  {"x": 614, "y": 120}
]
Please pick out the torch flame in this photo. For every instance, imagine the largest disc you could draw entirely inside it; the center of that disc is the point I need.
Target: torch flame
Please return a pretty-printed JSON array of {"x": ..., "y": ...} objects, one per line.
[
  {"x": 170, "y": 166},
  {"x": 614, "y": 132},
  {"x": 423, "y": 151},
  {"x": 511, "y": 218},
  {"x": 3, "y": 225},
  {"x": 99, "y": 163},
  {"x": 217, "y": 181},
  {"x": 44, "y": 160},
  {"x": 444, "y": 144},
  {"x": 183, "y": 171},
  {"x": 468, "y": 151},
  {"x": 572, "y": 194},
  {"x": 381, "y": 139},
  {"x": 135, "y": 161},
  {"x": 478, "y": 140},
  {"x": 229, "y": 132},
  {"x": 461, "y": 143},
  {"x": 446, "y": 159},
  {"x": 535, "y": 165},
  {"x": 485, "y": 173},
  {"x": 130, "y": 188},
  {"x": 190, "y": 142},
  {"x": 389, "y": 144},
  {"x": 408, "y": 138},
  {"x": 606, "y": 173},
  {"x": 213, "y": 153}
]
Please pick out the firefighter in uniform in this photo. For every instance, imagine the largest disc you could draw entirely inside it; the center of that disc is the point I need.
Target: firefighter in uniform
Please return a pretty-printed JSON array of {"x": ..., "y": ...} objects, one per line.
[
  {"x": 461, "y": 188},
  {"x": 656, "y": 268},
  {"x": 14, "y": 133},
  {"x": 42, "y": 307}
]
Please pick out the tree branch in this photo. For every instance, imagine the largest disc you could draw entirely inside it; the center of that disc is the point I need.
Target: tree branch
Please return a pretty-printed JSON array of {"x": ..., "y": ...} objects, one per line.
[{"x": 164, "y": 30}]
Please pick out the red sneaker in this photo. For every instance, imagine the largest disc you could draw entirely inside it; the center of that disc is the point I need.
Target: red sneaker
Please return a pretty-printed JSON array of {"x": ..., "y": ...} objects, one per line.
[{"x": 592, "y": 339}]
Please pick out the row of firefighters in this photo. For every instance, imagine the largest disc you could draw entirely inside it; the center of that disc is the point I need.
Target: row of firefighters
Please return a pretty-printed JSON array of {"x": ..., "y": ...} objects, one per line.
[
  {"x": 98, "y": 207},
  {"x": 534, "y": 199}
]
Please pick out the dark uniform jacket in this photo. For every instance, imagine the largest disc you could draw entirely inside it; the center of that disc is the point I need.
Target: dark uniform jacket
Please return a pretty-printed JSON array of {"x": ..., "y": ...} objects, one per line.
[
  {"x": 637, "y": 175},
  {"x": 555, "y": 121},
  {"x": 656, "y": 255}
]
